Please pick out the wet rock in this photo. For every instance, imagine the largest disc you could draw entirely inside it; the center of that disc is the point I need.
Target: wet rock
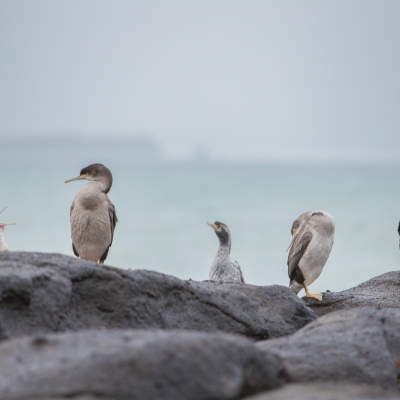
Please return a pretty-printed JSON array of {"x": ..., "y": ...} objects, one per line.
[
  {"x": 134, "y": 364},
  {"x": 382, "y": 291},
  {"x": 317, "y": 391},
  {"x": 355, "y": 346}
]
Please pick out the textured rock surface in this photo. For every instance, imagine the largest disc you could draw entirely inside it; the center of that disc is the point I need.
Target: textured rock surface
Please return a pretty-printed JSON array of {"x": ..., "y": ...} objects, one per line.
[
  {"x": 382, "y": 291},
  {"x": 283, "y": 311},
  {"x": 309, "y": 391},
  {"x": 42, "y": 293},
  {"x": 356, "y": 346},
  {"x": 134, "y": 364}
]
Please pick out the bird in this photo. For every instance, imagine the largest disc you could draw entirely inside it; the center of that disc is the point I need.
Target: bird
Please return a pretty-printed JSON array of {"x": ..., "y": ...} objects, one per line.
[
  {"x": 3, "y": 246},
  {"x": 224, "y": 268},
  {"x": 313, "y": 236},
  {"x": 398, "y": 231},
  {"x": 93, "y": 217}
]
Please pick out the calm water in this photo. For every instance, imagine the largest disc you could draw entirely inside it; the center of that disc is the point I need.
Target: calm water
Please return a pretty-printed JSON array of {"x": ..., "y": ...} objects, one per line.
[{"x": 163, "y": 209}]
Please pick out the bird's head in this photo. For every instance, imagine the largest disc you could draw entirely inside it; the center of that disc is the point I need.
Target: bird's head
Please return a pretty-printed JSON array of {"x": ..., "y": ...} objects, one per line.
[
  {"x": 4, "y": 224},
  {"x": 94, "y": 172},
  {"x": 221, "y": 231}
]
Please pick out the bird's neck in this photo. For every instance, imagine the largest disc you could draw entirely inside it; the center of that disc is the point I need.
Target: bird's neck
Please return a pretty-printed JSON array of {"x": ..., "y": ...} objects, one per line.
[
  {"x": 103, "y": 185},
  {"x": 3, "y": 246},
  {"x": 224, "y": 247}
]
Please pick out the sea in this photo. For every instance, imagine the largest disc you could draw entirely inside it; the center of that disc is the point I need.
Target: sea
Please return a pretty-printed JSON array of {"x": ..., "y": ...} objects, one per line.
[{"x": 163, "y": 207}]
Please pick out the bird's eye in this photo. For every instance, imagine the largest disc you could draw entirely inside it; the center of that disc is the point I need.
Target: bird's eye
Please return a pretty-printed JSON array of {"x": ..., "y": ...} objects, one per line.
[{"x": 218, "y": 226}]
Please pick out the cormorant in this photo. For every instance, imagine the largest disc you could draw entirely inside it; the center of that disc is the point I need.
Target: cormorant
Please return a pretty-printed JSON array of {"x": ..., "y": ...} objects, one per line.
[
  {"x": 92, "y": 215},
  {"x": 313, "y": 234}
]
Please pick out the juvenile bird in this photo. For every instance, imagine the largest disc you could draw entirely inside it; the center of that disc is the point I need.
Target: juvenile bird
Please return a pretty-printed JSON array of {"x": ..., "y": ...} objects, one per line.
[
  {"x": 313, "y": 234},
  {"x": 224, "y": 268},
  {"x": 3, "y": 246},
  {"x": 93, "y": 217}
]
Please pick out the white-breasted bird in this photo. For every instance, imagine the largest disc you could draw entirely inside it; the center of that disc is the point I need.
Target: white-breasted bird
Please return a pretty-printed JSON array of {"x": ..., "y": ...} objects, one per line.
[
  {"x": 3, "y": 246},
  {"x": 313, "y": 235},
  {"x": 224, "y": 268},
  {"x": 93, "y": 216}
]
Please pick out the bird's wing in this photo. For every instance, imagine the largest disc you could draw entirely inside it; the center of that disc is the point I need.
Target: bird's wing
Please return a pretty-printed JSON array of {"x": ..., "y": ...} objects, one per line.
[
  {"x": 236, "y": 264},
  {"x": 72, "y": 208},
  {"x": 297, "y": 251},
  {"x": 113, "y": 218}
]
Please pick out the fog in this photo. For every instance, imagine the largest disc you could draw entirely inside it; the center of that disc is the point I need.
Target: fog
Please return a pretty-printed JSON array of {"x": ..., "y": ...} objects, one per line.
[{"x": 236, "y": 80}]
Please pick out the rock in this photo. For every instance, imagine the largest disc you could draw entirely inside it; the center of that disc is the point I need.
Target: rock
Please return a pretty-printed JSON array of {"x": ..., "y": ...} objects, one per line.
[
  {"x": 42, "y": 293},
  {"x": 135, "y": 364},
  {"x": 283, "y": 311},
  {"x": 354, "y": 346},
  {"x": 382, "y": 291},
  {"x": 318, "y": 391}
]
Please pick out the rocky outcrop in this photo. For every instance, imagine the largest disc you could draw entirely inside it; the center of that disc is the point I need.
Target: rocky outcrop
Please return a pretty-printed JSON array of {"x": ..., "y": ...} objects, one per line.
[
  {"x": 317, "y": 391},
  {"x": 134, "y": 364},
  {"x": 360, "y": 345},
  {"x": 382, "y": 291},
  {"x": 43, "y": 293},
  {"x": 283, "y": 312}
]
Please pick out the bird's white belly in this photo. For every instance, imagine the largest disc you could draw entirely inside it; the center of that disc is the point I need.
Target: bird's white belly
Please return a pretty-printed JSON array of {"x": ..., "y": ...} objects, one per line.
[
  {"x": 90, "y": 232},
  {"x": 315, "y": 258}
]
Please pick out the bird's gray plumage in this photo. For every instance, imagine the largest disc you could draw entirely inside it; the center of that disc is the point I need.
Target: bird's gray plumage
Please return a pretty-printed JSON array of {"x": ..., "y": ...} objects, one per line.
[
  {"x": 224, "y": 268},
  {"x": 313, "y": 236},
  {"x": 93, "y": 217}
]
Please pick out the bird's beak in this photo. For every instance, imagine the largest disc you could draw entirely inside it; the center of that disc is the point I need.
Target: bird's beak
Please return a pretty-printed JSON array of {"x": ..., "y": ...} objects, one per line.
[
  {"x": 77, "y": 178},
  {"x": 6, "y": 223},
  {"x": 212, "y": 225}
]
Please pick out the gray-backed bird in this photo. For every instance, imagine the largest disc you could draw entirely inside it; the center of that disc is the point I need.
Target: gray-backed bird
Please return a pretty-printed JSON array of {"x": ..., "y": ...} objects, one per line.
[
  {"x": 224, "y": 268},
  {"x": 313, "y": 234},
  {"x": 92, "y": 214}
]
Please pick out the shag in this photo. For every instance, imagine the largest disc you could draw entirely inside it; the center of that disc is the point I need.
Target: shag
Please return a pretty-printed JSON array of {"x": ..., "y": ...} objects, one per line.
[
  {"x": 92, "y": 215},
  {"x": 313, "y": 234},
  {"x": 398, "y": 231},
  {"x": 3, "y": 246},
  {"x": 224, "y": 268}
]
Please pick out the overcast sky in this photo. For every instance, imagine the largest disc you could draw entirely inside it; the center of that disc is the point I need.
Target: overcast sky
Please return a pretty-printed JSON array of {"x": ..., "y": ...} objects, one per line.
[{"x": 286, "y": 80}]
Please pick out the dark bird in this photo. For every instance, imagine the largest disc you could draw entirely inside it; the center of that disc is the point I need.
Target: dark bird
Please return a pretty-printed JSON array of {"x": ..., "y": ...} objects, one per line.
[
  {"x": 398, "y": 230},
  {"x": 92, "y": 215},
  {"x": 313, "y": 234},
  {"x": 224, "y": 268},
  {"x": 3, "y": 246}
]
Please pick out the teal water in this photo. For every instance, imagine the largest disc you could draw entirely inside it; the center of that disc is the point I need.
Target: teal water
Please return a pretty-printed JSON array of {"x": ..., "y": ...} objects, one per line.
[{"x": 163, "y": 209}]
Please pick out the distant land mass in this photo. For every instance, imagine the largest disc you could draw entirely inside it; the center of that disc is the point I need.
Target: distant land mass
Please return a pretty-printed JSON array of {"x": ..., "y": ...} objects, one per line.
[{"x": 74, "y": 147}]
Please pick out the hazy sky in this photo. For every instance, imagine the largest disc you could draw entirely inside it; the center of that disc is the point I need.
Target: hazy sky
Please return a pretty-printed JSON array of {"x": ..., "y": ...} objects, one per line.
[{"x": 308, "y": 80}]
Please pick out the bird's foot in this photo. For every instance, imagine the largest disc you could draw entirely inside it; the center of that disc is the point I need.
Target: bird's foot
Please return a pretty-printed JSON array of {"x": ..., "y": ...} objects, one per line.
[{"x": 317, "y": 296}]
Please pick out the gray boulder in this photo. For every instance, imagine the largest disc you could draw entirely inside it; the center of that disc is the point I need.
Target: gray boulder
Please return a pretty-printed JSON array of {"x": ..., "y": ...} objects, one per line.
[
  {"x": 382, "y": 291},
  {"x": 134, "y": 364},
  {"x": 283, "y": 311},
  {"x": 43, "y": 293},
  {"x": 317, "y": 391},
  {"x": 360, "y": 345}
]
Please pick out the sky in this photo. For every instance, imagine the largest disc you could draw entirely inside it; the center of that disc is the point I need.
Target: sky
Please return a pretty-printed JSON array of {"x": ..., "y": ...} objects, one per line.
[{"x": 302, "y": 80}]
